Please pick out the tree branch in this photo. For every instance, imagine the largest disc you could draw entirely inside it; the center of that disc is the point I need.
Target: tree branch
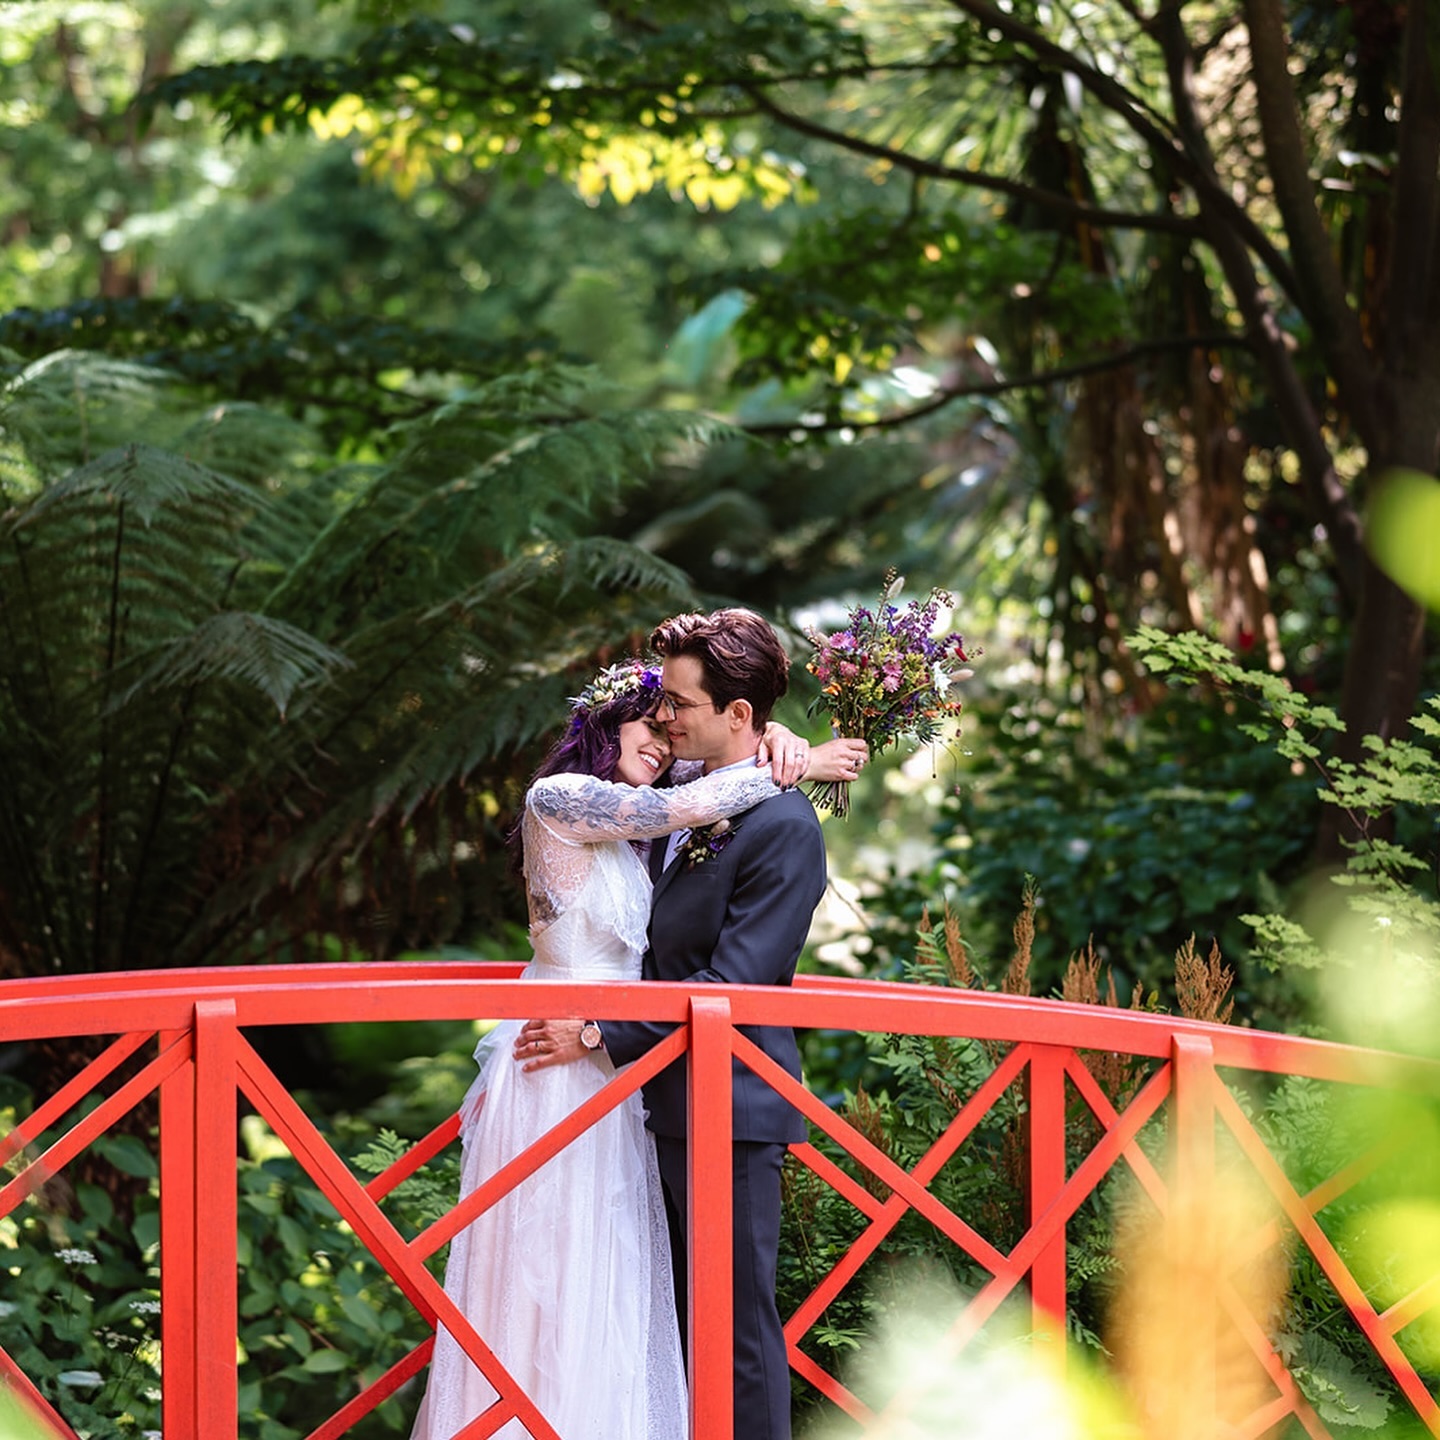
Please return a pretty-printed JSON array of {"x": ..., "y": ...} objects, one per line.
[
  {"x": 1115, "y": 361},
  {"x": 1117, "y": 99},
  {"x": 978, "y": 179}
]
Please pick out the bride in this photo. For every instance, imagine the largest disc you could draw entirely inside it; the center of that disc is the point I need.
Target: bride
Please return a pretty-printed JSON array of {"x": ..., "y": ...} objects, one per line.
[{"x": 567, "y": 1279}]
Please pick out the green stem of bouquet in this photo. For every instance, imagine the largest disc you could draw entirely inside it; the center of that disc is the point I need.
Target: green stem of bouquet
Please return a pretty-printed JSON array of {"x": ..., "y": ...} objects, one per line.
[{"x": 832, "y": 795}]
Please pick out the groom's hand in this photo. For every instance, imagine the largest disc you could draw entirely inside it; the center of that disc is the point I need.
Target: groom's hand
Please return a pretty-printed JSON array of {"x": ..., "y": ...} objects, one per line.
[{"x": 548, "y": 1042}]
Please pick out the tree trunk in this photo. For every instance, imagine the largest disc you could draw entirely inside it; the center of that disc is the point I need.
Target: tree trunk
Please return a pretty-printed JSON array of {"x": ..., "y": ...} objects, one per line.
[{"x": 1382, "y": 684}]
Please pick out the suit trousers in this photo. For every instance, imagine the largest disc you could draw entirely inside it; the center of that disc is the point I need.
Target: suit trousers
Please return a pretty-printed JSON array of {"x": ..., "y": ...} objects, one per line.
[{"x": 762, "y": 1366}]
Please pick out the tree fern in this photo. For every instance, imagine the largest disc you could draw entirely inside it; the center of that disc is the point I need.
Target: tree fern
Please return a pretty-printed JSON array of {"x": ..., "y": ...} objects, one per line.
[
  {"x": 247, "y": 693},
  {"x": 462, "y": 492}
]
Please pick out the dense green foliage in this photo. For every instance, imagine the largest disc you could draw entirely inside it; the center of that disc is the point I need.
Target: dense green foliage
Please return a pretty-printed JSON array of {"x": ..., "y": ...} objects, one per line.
[
  {"x": 1078, "y": 260},
  {"x": 249, "y": 695},
  {"x": 1377, "y": 916},
  {"x": 1044, "y": 213},
  {"x": 1135, "y": 842}
]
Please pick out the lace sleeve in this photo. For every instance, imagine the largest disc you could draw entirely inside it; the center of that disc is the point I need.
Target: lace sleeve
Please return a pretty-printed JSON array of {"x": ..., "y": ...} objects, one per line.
[
  {"x": 582, "y": 809},
  {"x": 682, "y": 772}
]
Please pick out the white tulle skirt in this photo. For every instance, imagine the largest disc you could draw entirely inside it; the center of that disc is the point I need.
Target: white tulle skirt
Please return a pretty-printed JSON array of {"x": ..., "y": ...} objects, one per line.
[{"x": 568, "y": 1278}]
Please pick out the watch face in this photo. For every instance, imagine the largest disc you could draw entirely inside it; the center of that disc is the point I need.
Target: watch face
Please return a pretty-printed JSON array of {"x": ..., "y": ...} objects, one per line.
[{"x": 590, "y": 1035}]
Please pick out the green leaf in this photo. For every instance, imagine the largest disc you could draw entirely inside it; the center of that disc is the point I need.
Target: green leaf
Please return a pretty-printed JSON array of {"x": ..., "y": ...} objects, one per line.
[
  {"x": 294, "y": 1237},
  {"x": 326, "y": 1362},
  {"x": 146, "y": 1229},
  {"x": 362, "y": 1313},
  {"x": 128, "y": 1154},
  {"x": 96, "y": 1204},
  {"x": 298, "y": 1336},
  {"x": 1335, "y": 1386}
]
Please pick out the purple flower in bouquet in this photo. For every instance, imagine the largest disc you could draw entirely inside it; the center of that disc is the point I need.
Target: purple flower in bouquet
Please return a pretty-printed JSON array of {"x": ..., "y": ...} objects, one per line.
[{"x": 886, "y": 676}]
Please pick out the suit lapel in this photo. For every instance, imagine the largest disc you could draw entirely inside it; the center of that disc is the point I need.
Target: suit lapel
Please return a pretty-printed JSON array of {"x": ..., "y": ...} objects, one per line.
[
  {"x": 664, "y": 879},
  {"x": 658, "y": 847},
  {"x": 663, "y": 876}
]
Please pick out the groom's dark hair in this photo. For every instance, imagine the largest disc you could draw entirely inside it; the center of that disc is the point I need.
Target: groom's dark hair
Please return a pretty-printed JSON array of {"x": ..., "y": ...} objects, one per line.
[{"x": 740, "y": 655}]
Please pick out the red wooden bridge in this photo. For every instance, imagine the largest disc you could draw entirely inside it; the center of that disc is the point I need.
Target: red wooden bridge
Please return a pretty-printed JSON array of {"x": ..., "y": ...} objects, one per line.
[{"x": 182, "y": 1035}]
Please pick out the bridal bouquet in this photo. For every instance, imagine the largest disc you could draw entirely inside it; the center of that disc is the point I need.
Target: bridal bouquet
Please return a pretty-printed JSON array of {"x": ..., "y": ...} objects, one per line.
[{"x": 886, "y": 677}]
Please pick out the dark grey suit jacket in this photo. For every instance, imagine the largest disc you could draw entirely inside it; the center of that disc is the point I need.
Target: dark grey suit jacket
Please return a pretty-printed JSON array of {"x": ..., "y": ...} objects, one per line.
[{"x": 739, "y": 917}]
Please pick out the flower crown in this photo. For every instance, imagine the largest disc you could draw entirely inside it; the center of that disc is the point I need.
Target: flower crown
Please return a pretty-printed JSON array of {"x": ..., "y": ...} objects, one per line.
[{"x": 614, "y": 682}]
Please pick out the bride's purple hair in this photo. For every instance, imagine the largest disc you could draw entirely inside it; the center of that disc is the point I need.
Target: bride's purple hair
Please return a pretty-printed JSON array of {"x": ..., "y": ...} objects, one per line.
[
  {"x": 591, "y": 745},
  {"x": 591, "y": 742}
]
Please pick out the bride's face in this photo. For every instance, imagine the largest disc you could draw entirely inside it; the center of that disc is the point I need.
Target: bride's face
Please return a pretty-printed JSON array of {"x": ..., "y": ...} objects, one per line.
[{"x": 644, "y": 752}]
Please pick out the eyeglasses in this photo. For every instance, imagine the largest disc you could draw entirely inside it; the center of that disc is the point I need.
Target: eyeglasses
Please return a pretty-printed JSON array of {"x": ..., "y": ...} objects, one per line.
[{"x": 674, "y": 706}]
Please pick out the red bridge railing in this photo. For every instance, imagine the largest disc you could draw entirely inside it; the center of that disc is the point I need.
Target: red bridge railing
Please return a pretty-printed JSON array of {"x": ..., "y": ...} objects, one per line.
[{"x": 182, "y": 1035}]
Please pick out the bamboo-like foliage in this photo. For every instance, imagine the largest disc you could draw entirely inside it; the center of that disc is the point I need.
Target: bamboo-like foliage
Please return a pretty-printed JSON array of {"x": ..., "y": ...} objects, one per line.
[{"x": 244, "y": 694}]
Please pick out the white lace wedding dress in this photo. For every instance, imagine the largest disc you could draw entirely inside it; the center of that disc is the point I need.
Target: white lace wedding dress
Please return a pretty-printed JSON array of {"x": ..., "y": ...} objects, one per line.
[{"x": 568, "y": 1279}]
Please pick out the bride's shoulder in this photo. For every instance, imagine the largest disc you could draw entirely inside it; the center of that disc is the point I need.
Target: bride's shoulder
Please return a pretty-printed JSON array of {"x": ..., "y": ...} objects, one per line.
[
  {"x": 557, "y": 785},
  {"x": 573, "y": 798}
]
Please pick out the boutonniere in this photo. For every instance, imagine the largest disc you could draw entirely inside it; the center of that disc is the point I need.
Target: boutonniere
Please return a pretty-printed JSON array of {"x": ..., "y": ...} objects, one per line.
[{"x": 707, "y": 841}]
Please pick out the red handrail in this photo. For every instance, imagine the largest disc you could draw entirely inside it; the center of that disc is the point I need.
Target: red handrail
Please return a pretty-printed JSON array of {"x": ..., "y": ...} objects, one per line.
[{"x": 201, "y": 1063}]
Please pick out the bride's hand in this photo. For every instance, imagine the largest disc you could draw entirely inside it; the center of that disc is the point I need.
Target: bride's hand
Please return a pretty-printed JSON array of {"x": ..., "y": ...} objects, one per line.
[
  {"x": 785, "y": 752},
  {"x": 840, "y": 759}
]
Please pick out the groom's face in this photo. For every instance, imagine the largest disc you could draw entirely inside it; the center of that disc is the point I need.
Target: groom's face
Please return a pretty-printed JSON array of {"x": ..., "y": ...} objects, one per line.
[{"x": 688, "y": 713}]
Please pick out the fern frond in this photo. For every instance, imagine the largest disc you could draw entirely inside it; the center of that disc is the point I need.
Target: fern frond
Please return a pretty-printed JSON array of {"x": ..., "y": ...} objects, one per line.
[
  {"x": 247, "y": 442},
  {"x": 66, "y": 408},
  {"x": 242, "y": 697},
  {"x": 275, "y": 658},
  {"x": 145, "y": 479},
  {"x": 422, "y": 532},
  {"x": 526, "y": 396},
  {"x": 597, "y": 562}
]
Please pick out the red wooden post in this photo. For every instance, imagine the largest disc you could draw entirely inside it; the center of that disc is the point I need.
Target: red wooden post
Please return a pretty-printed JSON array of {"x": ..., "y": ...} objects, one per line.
[
  {"x": 216, "y": 1221},
  {"x": 712, "y": 1286},
  {"x": 179, "y": 1283},
  {"x": 1047, "y": 1179}
]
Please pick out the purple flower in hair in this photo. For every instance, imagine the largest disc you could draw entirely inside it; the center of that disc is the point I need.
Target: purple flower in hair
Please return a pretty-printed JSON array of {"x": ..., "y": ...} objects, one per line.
[{"x": 627, "y": 677}]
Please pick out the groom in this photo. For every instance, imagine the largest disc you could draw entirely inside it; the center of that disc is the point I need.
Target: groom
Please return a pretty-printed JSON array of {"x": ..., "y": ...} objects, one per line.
[{"x": 739, "y": 916}]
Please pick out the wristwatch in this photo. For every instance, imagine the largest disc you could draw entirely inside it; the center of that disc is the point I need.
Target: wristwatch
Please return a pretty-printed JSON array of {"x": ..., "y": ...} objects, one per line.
[{"x": 590, "y": 1036}]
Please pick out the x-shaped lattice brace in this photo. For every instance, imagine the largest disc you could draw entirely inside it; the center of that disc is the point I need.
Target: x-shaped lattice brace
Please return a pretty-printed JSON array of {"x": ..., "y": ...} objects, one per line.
[
  {"x": 1118, "y": 1140},
  {"x": 404, "y": 1261},
  {"x": 1380, "y": 1330},
  {"x": 62, "y": 1151}
]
